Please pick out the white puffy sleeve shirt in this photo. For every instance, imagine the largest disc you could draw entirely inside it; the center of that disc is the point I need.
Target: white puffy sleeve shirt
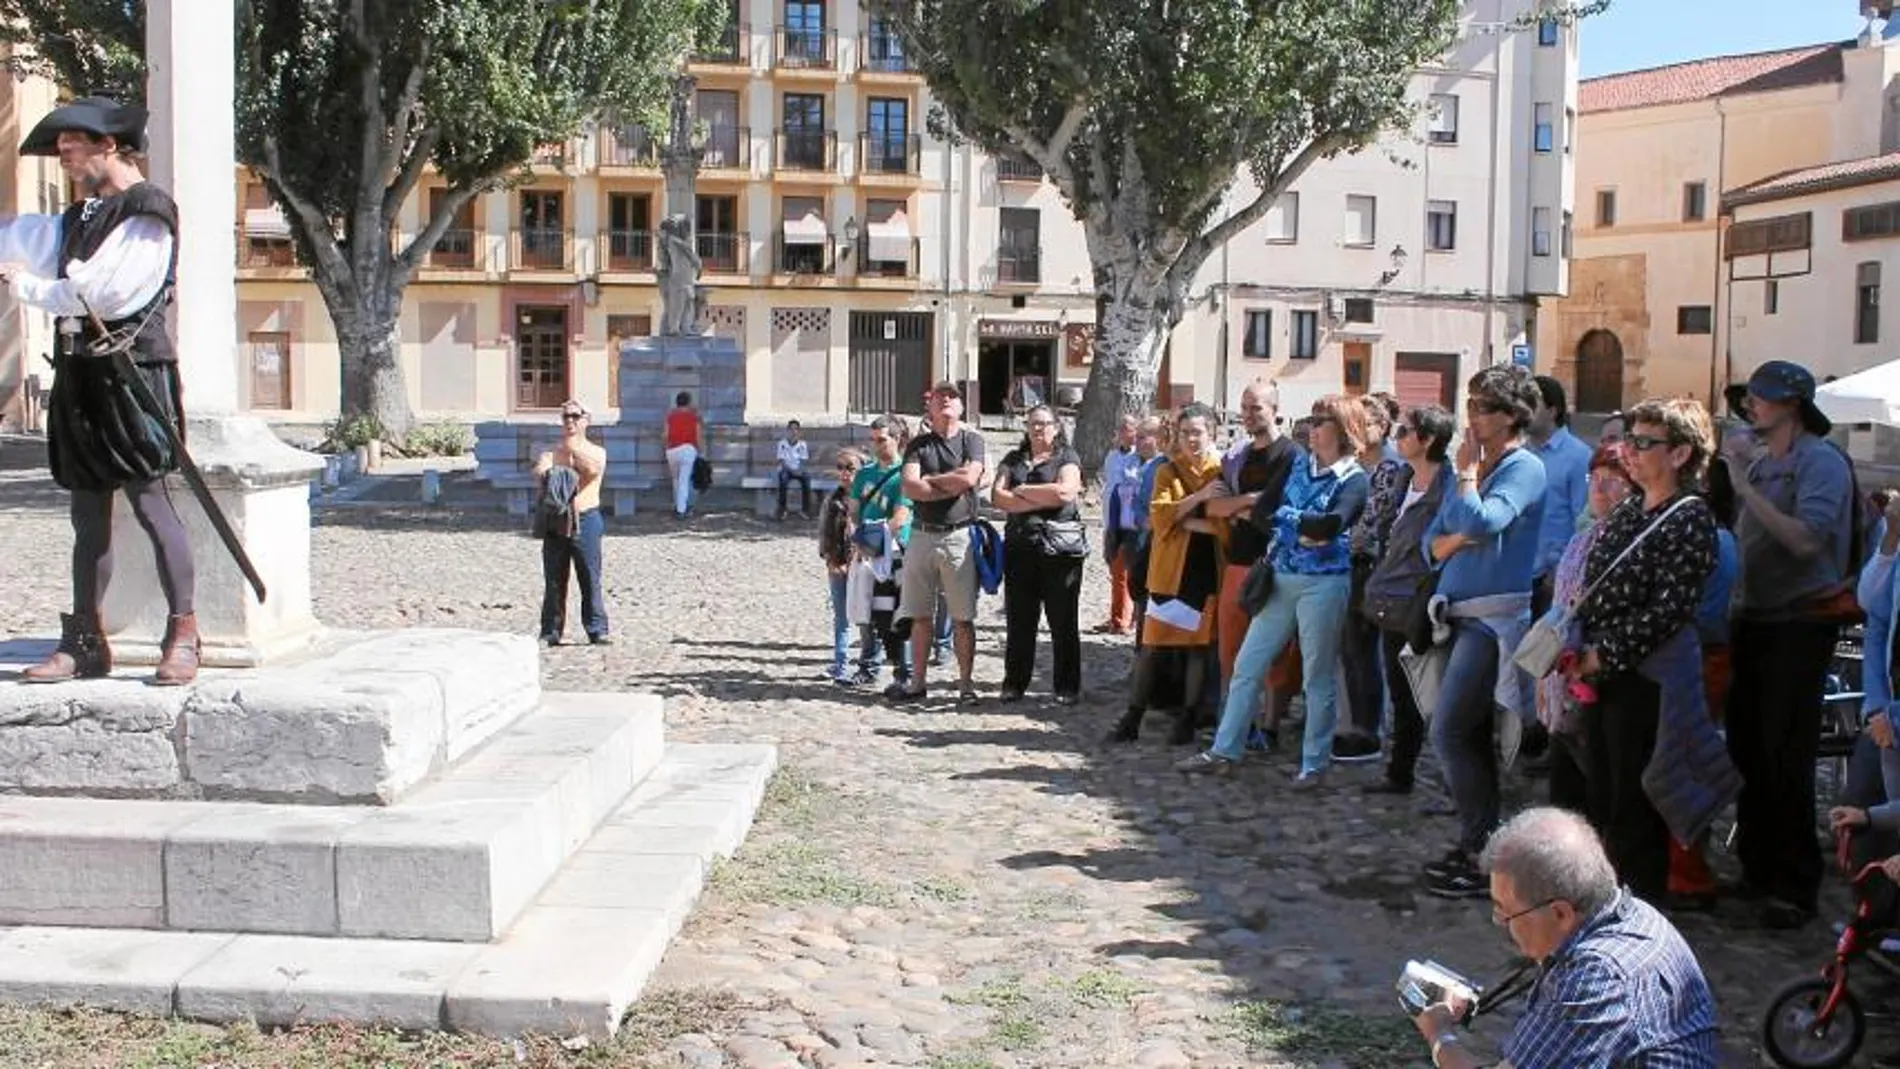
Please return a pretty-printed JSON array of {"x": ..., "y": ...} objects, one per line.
[{"x": 119, "y": 279}]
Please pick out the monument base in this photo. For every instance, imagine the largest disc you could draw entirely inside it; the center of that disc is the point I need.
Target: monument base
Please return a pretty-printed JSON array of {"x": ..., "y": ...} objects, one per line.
[
  {"x": 263, "y": 487},
  {"x": 356, "y": 718},
  {"x": 530, "y": 881}
]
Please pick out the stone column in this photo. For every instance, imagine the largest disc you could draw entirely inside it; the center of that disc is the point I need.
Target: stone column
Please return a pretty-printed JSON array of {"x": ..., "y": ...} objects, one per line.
[{"x": 260, "y": 483}]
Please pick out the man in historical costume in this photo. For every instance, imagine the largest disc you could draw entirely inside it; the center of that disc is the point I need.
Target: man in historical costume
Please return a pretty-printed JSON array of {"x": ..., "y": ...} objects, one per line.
[{"x": 112, "y": 256}]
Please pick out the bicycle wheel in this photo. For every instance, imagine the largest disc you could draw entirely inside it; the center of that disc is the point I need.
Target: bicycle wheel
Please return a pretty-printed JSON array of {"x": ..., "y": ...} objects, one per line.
[{"x": 1793, "y": 1040}]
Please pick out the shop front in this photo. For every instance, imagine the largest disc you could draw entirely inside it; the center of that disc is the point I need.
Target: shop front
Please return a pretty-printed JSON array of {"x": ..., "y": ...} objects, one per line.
[{"x": 1015, "y": 365}]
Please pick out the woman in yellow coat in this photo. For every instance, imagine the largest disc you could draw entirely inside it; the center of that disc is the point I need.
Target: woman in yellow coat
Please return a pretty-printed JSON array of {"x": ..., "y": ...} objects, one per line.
[{"x": 1186, "y": 554}]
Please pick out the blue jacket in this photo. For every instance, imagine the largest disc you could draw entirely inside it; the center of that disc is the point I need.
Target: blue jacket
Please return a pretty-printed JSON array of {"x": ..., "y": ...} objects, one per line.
[
  {"x": 1879, "y": 597},
  {"x": 1689, "y": 777},
  {"x": 1506, "y": 515},
  {"x": 1322, "y": 504}
]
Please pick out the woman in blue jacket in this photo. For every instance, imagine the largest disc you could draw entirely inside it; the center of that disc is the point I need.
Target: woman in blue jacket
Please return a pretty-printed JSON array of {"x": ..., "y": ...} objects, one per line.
[
  {"x": 1485, "y": 537},
  {"x": 1312, "y": 579}
]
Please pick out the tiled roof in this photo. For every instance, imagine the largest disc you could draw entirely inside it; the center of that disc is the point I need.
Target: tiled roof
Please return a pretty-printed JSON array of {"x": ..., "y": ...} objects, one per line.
[
  {"x": 1827, "y": 176},
  {"x": 1703, "y": 79}
]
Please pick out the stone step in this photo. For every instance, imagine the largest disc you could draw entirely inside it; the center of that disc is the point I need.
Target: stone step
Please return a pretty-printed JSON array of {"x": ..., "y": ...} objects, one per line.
[
  {"x": 571, "y": 965},
  {"x": 456, "y": 859},
  {"x": 357, "y": 718}
]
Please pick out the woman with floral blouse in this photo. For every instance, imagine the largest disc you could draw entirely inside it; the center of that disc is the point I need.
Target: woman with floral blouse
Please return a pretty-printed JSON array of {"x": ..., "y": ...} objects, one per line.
[{"x": 1638, "y": 607}]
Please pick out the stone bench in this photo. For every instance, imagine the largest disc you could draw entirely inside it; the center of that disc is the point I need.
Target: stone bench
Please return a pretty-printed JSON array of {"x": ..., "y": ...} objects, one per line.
[
  {"x": 765, "y": 492},
  {"x": 619, "y": 492}
]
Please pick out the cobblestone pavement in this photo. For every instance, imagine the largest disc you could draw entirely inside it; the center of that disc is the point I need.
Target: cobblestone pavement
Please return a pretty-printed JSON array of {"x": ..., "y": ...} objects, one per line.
[{"x": 944, "y": 887}]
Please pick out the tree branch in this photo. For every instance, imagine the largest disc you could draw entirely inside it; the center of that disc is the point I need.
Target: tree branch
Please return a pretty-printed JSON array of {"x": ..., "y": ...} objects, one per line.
[
  {"x": 317, "y": 232},
  {"x": 436, "y": 225},
  {"x": 406, "y": 112},
  {"x": 411, "y": 173},
  {"x": 1229, "y": 228},
  {"x": 1053, "y": 155}
]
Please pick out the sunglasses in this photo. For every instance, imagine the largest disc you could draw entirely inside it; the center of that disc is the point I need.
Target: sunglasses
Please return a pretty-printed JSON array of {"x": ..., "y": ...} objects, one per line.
[
  {"x": 571, "y": 417},
  {"x": 1643, "y": 443}
]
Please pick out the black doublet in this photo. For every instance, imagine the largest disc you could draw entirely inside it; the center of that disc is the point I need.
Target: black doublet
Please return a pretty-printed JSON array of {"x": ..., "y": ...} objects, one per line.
[{"x": 99, "y": 435}]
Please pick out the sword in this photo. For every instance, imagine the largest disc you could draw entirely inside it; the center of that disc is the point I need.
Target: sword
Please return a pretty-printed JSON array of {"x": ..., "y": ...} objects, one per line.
[{"x": 122, "y": 363}]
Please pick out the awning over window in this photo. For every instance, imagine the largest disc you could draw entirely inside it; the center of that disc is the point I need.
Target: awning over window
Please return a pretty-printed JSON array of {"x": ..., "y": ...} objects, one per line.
[
  {"x": 809, "y": 229},
  {"x": 889, "y": 241},
  {"x": 266, "y": 223}
]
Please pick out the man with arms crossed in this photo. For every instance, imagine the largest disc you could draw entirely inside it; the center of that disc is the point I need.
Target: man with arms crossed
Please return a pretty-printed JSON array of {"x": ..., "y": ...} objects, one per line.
[{"x": 942, "y": 469}]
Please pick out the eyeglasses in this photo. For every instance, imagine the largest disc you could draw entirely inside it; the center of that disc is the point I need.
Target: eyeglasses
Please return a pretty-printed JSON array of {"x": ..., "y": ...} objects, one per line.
[
  {"x": 1504, "y": 921},
  {"x": 571, "y": 417},
  {"x": 1643, "y": 443}
]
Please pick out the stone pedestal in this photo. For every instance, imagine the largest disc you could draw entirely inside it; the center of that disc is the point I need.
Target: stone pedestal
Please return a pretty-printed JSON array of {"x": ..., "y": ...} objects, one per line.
[
  {"x": 263, "y": 487},
  {"x": 654, "y": 370}
]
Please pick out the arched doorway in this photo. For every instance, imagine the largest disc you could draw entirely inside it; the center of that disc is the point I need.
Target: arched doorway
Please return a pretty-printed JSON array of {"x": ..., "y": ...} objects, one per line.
[{"x": 1599, "y": 373}]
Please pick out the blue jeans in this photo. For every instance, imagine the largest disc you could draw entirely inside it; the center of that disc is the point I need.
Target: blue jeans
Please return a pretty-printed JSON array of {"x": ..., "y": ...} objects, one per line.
[
  {"x": 1462, "y": 731},
  {"x": 841, "y": 629},
  {"x": 940, "y": 633},
  {"x": 581, "y": 555},
  {"x": 1315, "y": 607}
]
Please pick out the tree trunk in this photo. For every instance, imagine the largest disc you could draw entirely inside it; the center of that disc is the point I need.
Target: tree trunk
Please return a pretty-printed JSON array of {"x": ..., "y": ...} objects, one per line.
[
  {"x": 371, "y": 356},
  {"x": 1127, "y": 357}
]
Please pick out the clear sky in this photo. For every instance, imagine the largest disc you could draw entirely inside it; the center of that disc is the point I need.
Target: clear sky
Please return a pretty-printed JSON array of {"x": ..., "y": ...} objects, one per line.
[{"x": 1634, "y": 34}]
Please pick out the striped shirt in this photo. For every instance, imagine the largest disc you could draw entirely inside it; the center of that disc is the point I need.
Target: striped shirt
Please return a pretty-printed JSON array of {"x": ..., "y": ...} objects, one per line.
[{"x": 1625, "y": 991}]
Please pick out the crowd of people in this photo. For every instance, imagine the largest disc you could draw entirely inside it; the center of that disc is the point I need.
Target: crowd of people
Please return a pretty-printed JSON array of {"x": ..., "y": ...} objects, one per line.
[{"x": 1404, "y": 571}]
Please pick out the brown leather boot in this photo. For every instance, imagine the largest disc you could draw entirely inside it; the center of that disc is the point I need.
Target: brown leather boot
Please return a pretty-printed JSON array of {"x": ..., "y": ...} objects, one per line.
[
  {"x": 82, "y": 652},
  {"x": 178, "y": 656}
]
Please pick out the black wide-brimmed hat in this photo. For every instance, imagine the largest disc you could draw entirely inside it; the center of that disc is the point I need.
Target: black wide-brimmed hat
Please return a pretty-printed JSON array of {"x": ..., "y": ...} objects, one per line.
[{"x": 99, "y": 116}]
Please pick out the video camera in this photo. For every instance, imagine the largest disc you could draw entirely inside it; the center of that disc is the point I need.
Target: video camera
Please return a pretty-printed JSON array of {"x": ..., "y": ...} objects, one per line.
[{"x": 1424, "y": 984}]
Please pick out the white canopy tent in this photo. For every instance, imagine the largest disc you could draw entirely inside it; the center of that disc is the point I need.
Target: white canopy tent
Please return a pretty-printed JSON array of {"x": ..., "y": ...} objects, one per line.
[{"x": 1872, "y": 396}]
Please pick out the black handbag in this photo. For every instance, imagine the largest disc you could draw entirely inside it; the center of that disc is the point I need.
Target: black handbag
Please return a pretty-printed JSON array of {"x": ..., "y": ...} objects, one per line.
[
  {"x": 702, "y": 473},
  {"x": 1257, "y": 587},
  {"x": 1062, "y": 538}
]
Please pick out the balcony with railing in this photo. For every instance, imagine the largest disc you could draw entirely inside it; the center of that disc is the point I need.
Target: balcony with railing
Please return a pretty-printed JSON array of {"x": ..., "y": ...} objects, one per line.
[
  {"x": 729, "y": 50},
  {"x": 806, "y": 150},
  {"x": 1019, "y": 266},
  {"x": 728, "y": 148},
  {"x": 882, "y": 52},
  {"x": 724, "y": 252},
  {"x": 255, "y": 252},
  {"x": 630, "y": 146},
  {"x": 627, "y": 250},
  {"x": 552, "y": 154},
  {"x": 1014, "y": 168},
  {"x": 889, "y": 154},
  {"x": 876, "y": 258},
  {"x": 801, "y": 258},
  {"x": 795, "y": 49},
  {"x": 539, "y": 248},
  {"x": 454, "y": 250}
]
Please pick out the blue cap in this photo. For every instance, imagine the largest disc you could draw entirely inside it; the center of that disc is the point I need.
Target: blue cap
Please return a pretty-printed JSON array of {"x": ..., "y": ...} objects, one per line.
[{"x": 1783, "y": 382}]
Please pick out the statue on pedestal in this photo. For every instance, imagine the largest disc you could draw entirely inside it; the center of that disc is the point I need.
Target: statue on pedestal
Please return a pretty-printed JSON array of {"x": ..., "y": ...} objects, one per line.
[
  {"x": 678, "y": 262},
  {"x": 678, "y": 272}
]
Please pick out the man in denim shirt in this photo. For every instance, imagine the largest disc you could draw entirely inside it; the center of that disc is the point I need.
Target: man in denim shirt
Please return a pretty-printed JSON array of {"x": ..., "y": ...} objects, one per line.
[
  {"x": 1566, "y": 482},
  {"x": 1616, "y": 984}
]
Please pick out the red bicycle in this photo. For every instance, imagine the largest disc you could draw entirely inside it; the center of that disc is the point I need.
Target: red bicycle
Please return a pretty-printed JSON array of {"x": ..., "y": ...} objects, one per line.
[{"x": 1817, "y": 1022}]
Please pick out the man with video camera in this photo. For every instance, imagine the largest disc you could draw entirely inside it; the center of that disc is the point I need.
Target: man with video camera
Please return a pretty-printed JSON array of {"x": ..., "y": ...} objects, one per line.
[{"x": 1615, "y": 983}]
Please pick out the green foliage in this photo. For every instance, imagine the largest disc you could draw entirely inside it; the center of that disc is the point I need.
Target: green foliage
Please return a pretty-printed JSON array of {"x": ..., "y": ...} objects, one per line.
[
  {"x": 351, "y": 432},
  {"x": 1314, "y": 1036},
  {"x": 91, "y": 47},
  {"x": 445, "y": 438}
]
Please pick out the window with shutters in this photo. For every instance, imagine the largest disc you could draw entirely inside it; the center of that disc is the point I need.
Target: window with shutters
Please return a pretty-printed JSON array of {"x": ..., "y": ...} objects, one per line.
[
  {"x": 1305, "y": 336},
  {"x": 1258, "y": 342},
  {"x": 1783, "y": 233},
  {"x": 1362, "y": 221}
]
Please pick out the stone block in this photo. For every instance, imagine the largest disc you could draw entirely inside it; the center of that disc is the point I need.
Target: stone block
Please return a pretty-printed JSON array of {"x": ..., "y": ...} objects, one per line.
[
  {"x": 101, "y": 736},
  {"x": 85, "y": 861},
  {"x": 285, "y": 980},
  {"x": 474, "y": 847},
  {"x": 266, "y": 868},
  {"x": 560, "y": 971},
  {"x": 664, "y": 884},
  {"x": 362, "y": 722},
  {"x": 119, "y": 969},
  {"x": 451, "y": 870}
]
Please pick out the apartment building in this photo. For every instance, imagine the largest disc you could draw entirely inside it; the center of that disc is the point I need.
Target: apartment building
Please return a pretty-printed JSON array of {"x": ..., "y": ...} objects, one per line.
[
  {"x": 1408, "y": 266},
  {"x": 854, "y": 258},
  {"x": 1651, "y": 309}
]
